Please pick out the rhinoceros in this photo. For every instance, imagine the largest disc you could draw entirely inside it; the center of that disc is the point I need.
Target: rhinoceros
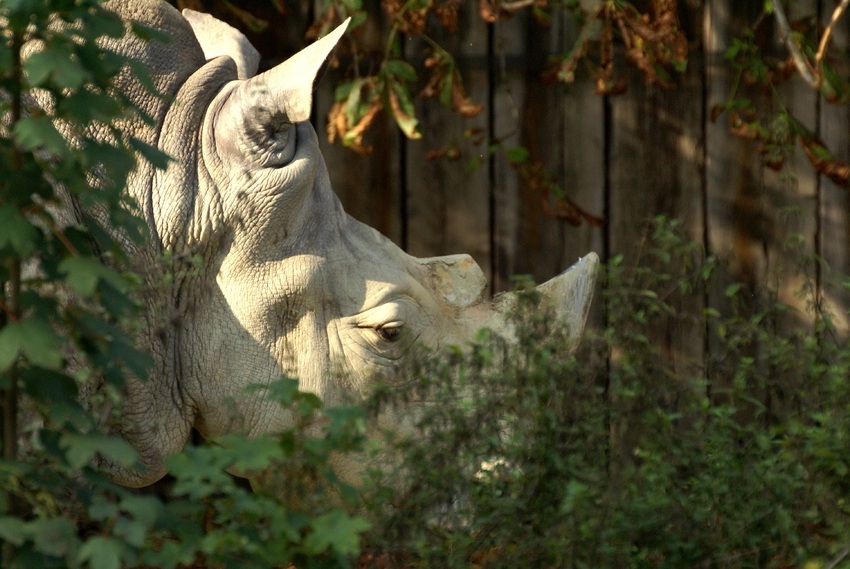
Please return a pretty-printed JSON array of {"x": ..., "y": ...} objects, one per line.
[{"x": 290, "y": 284}]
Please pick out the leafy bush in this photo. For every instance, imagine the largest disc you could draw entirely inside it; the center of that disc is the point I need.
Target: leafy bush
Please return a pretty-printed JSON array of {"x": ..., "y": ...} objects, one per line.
[
  {"x": 626, "y": 453},
  {"x": 623, "y": 455},
  {"x": 68, "y": 300}
]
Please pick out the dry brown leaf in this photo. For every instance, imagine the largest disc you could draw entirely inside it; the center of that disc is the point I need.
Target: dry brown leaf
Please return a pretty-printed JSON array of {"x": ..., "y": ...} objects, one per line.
[
  {"x": 461, "y": 102},
  {"x": 352, "y": 136},
  {"x": 825, "y": 162}
]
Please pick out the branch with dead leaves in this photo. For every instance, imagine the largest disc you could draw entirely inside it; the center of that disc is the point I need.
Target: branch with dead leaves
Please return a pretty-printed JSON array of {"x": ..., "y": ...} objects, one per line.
[{"x": 812, "y": 73}]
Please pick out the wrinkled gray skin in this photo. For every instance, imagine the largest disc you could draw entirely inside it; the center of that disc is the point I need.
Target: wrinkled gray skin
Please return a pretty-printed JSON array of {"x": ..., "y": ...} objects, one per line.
[{"x": 290, "y": 283}]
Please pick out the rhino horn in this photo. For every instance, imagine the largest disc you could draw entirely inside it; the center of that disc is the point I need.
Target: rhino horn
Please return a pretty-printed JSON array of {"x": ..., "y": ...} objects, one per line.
[
  {"x": 261, "y": 110},
  {"x": 572, "y": 292},
  {"x": 568, "y": 294}
]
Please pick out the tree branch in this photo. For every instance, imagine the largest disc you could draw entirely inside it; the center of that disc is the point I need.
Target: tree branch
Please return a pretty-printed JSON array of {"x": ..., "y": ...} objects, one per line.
[
  {"x": 827, "y": 34},
  {"x": 811, "y": 76}
]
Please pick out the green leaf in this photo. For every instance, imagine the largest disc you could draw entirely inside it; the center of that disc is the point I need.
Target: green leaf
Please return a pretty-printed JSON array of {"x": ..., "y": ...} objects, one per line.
[
  {"x": 357, "y": 20},
  {"x": 402, "y": 110},
  {"x": 32, "y": 133},
  {"x": 104, "y": 23},
  {"x": 35, "y": 338},
  {"x": 80, "y": 449},
  {"x": 354, "y": 103},
  {"x": 5, "y": 58},
  {"x": 85, "y": 106},
  {"x": 343, "y": 90},
  {"x": 145, "y": 509},
  {"x": 152, "y": 154},
  {"x": 54, "y": 536},
  {"x": 56, "y": 64},
  {"x": 102, "y": 509},
  {"x": 732, "y": 289},
  {"x": 69, "y": 413},
  {"x": 200, "y": 471},
  {"x": 148, "y": 33},
  {"x": 400, "y": 69},
  {"x": 517, "y": 154},
  {"x": 336, "y": 531},
  {"x": 117, "y": 163},
  {"x": 83, "y": 274},
  {"x": 137, "y": 362},
  {"x": 48, "y": 386},
  {"x": 251, "y": 454},
  {"x": 101, "y": 553},
  {"x": 16, "y": 231},
  {"x": 13, "y": 530},
  {"x": 284, "y": 390}
]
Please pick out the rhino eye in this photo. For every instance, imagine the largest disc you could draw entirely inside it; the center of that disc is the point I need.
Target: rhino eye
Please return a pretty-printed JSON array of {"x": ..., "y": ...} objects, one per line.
[{"x": 390, "y": 333}]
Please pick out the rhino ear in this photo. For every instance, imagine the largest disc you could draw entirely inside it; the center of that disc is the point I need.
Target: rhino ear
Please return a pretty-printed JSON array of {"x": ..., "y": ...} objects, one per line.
[
  {"x": 218, "y": 38},
  {"x": 289, "y": 86},
  {"x": 256, "y": 119}
]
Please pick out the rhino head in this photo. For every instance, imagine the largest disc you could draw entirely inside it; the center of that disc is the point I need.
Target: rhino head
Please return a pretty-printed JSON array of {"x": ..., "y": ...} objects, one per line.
[{"x": 290, "y": 284}]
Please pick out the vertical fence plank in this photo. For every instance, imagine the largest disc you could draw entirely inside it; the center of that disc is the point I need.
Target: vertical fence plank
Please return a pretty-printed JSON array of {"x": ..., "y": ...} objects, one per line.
[
  {"x": 448, "y": 204},
  {"x": 656, "y": 167},
  {"x": 791, "y": 193},
  {"x": 562, "y": 128},
  {"x": 737, "y": 220},
  {"x": 508, "y": 100},
  {"x": 657, "y": 145},
  {"x": 834, "y": 225},
  {"x": 369, "y": 187},
  {"x": 284, "y": 35}
]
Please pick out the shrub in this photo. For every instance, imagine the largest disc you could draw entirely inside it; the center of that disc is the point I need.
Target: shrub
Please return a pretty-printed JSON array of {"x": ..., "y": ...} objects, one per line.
[
  {"x": 625, "y": 454},
  {"x": 68, "y": 300}
]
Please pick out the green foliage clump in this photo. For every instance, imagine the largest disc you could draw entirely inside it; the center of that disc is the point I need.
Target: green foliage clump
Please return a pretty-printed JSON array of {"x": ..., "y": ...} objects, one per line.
[
  {"x": 629, "y": 453},
  {"x": 68, "y": 302},
  {"x": 44, "y": 256},
  {"x": 632, "y": 451}
]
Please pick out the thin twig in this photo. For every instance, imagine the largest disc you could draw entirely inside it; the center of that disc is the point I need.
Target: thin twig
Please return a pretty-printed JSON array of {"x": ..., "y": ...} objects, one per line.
[
  {"x": 827, "y": 34},
  {"x": 514, "y": 5},
  {"x": 803, "y": 66},
  {"x": 842, "y": 553}
]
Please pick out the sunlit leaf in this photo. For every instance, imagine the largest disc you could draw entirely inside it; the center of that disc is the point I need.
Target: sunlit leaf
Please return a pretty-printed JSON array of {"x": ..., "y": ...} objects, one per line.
[
  {"x": 403, "y": 112},
  {"x": 55, "y": 64}
]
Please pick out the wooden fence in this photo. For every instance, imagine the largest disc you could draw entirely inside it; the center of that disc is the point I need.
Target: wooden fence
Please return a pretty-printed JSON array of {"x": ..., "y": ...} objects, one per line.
[{"x": 626, "y": 158}]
